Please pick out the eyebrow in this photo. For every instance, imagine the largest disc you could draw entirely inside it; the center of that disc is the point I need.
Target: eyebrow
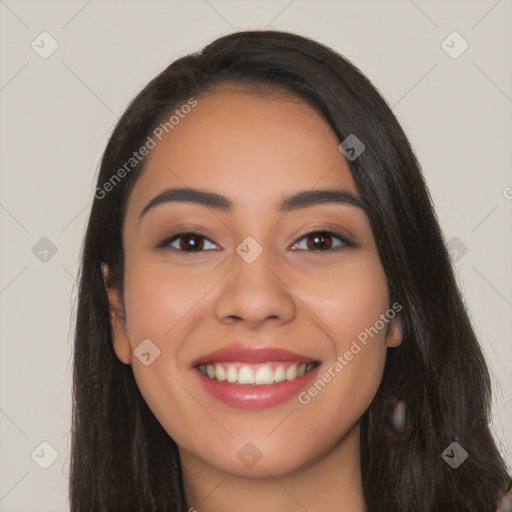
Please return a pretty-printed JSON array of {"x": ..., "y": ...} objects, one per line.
[{"x": 295, "y": 201}]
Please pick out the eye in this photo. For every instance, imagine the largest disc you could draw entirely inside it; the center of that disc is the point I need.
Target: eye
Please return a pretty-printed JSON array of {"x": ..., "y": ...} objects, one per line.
[
  {"x": 190, "y": 242},
  {"x": 321, "y": 241},
  {"x": 187, "y": 242}
]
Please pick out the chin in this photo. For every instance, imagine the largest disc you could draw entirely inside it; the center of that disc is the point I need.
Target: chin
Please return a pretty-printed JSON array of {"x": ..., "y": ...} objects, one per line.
[{"x": 247, "y": 459}]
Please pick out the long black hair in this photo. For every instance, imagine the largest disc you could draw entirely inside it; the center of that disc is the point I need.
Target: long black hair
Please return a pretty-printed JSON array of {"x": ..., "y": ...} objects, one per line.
[{"x": 122, "y": 458}]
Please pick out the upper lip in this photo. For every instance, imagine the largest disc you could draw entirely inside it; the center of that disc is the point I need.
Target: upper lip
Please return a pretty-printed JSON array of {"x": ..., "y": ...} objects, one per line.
[{"x": 254, "y": 355}]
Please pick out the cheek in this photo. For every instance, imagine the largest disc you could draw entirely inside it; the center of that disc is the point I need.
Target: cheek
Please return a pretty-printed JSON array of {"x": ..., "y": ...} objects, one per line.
[
  {"x": 162, "y": 306},
  {"x": 349, "y": 301},
  {"x": 352, "y": 305},
  {"x": 158, "y": 299}
]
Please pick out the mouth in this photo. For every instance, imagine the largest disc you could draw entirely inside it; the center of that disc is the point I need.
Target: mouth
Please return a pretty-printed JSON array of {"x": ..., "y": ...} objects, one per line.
[
  {"x": 248, "y": 377},
  {"x": 272, "y": 372}
]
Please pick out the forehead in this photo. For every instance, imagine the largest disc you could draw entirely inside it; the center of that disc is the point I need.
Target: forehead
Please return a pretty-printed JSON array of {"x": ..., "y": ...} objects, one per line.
[{"x": 252, "y": 147}]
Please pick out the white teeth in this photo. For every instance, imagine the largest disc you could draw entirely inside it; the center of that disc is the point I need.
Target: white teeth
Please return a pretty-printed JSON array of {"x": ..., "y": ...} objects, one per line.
[
  {"x": 280, "y": 374},
  {"x": 264, "y": 375},
  {"x": 258, "y": 374},
  {"x": 231, "y": 374},
  {"x": 220, "y": 373},
  {"x": 291, "y": 373},
  {"x": 246, "y": 375}
]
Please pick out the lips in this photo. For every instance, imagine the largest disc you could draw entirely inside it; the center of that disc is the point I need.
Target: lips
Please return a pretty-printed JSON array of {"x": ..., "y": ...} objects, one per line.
[
  {"x": 253, "y": 355},
  {"x": 252, "y": 377}
]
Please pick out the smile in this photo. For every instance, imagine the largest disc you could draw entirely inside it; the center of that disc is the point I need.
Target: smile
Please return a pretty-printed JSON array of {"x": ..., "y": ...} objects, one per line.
[
  {"x": 249, "y": 377},
  {"x": 255, "y": 374}
]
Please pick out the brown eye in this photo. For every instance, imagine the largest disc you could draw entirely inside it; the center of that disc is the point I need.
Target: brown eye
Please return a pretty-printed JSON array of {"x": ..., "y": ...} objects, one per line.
[
  {"x": 319, "y": 241},
  {"x": 186, "y": 242},
  {"x": 191, "y": 241},
  {"x": 323, "y": 241}
]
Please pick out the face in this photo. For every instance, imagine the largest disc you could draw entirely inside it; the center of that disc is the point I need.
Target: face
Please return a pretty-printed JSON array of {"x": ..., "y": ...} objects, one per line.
[{"x": 284, "y": 303}]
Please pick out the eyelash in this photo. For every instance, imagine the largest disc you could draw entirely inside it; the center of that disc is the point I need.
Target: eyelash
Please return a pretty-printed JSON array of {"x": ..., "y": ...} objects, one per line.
[{"x": 172, "y": 237}]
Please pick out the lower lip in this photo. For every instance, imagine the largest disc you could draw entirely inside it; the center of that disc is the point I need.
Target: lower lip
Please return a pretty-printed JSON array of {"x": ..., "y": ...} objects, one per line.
[{"x": 255, "y": 397}]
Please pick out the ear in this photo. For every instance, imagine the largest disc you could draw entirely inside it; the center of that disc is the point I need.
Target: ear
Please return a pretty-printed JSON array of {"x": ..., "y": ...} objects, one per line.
[
  {"x": 120, "y": 339},
  {"x": 395, "y": 334}
]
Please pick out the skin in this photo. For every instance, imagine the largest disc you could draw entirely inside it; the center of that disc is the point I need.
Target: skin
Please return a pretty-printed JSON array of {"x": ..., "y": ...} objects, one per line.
[{"x": 254, "y": 149}]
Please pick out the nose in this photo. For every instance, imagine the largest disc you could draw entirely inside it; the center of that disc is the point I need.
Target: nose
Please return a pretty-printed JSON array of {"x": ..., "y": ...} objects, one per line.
[{"x": 255, "y": 293}]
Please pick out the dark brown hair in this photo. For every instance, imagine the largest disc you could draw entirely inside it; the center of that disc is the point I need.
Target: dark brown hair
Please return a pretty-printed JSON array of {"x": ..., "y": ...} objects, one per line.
[{"x": 122, "y": 458}]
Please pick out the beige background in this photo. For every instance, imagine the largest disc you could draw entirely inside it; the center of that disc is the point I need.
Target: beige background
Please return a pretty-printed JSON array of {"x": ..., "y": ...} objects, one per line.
[{"x": 57, "y": 113}]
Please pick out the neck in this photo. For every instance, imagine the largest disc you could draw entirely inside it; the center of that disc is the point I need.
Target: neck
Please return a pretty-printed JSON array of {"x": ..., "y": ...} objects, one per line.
[{"x": 332, "y": 483}]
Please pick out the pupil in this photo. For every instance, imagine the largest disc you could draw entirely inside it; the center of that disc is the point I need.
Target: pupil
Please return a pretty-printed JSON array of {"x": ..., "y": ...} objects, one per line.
[
  {"x": 321, "y": 241},
  {"x": 191, "y": 242}
]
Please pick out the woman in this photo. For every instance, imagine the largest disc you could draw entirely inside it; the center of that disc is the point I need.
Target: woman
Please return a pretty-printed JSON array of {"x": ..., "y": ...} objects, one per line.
[{"x": 268, "y": 316}]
